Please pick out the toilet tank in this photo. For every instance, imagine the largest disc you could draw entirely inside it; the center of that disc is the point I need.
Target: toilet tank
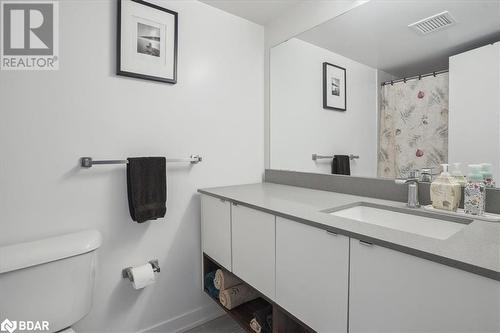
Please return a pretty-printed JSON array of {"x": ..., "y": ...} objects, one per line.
[{"x": 49, "y": 280}]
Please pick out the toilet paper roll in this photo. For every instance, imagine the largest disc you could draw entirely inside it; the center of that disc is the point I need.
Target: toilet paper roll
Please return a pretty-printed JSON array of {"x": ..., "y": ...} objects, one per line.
[{"x": 143, "y": 276}]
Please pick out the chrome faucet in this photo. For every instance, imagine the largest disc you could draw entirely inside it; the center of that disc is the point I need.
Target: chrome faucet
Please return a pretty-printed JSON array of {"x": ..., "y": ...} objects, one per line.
[{"x": 412, "y": 182}]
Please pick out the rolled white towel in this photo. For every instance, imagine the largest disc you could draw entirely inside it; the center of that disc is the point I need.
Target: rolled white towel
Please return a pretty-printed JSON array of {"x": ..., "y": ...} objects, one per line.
[
  {"x": 237, "y": 295},
  {"x": 224, "y": 280},
  {"x": 254, "y": 325}
]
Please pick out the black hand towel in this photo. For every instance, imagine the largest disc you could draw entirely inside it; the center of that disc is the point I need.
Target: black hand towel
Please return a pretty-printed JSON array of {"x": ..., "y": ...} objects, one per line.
[
  {"x": 147, "y": 188},
  {"x": 341, "y": 165}
]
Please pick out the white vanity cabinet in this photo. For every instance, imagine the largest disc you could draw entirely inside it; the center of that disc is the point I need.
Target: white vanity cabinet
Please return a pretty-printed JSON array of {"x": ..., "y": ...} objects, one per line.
[
  {"x": 333, "y": 283},
  {"x": 312, "y": 273},
  {"x": 216, "y": 229},
  {"x": 253, "y": 241},
  {"x": 395, "y": 292}
]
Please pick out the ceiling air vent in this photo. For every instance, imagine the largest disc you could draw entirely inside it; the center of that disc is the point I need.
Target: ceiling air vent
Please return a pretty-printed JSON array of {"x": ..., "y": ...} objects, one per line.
[{"x": 433, "y": 23}]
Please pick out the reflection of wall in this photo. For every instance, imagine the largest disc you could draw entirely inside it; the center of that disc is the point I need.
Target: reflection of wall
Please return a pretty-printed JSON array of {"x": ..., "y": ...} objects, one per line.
[
  {"x": 305, "y": 15},
  {"x": 299, "y": 124},
  {"x": 50, "y": 119},
  {"x": 475, "y": 107}
]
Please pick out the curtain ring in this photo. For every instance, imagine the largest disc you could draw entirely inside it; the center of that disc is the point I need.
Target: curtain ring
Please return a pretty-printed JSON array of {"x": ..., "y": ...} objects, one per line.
[
  {"x": 434, "y": 73},
  {"x": 404, "y": 80},
  {"x": 420, "y": 77},
  {"x": 392, "y": 83}
]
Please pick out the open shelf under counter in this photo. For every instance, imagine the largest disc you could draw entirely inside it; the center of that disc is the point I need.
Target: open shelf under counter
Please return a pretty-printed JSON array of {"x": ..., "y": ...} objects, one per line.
[{"x": 283, "y": 322}]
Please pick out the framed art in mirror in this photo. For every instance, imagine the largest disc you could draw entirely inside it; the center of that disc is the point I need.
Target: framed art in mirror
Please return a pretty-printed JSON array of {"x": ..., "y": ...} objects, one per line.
[
  {"x": 146, "y": 41},
  {"x": 334, "y": 87}
]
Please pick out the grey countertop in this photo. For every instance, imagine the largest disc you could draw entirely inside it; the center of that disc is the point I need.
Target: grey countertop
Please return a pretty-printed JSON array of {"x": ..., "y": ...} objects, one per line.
[{"x": 475, "y": 248}]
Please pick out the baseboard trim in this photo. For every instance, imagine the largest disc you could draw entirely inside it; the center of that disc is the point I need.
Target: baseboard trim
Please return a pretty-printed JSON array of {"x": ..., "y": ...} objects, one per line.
[{"x": 186, "y": 321}]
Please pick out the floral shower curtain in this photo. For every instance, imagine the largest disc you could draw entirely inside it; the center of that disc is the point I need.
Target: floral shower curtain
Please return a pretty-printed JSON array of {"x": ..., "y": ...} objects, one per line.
[{"x": 413, "y": 129}]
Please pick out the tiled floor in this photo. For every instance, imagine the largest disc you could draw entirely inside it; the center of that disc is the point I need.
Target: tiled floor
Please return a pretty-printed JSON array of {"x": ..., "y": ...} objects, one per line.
[{"x": 222, "y": 324}]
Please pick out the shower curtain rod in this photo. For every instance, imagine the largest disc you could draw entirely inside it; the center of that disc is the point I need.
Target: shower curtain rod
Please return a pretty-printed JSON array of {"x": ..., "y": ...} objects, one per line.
[{"x": 414, "y": 77}]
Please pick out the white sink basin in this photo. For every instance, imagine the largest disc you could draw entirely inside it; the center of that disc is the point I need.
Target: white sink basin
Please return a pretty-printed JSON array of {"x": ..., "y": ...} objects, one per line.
[{"x": 416, "y": 222}]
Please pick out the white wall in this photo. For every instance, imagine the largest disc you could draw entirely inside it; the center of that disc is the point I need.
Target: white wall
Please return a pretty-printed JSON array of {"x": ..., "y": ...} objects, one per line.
[
  {"x": 299, "y": 124},
  {"x": 474, "y": 115},
  {"x": 50, "y": 119}
]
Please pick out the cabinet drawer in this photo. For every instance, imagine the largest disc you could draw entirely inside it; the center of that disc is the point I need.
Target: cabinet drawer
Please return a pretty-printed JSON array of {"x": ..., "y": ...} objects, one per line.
[
  {"x": 253, "y": 240},
  {"x": 392, "y": 291},
  {"x": 216, "y": 229},
  {"x": 312, "y": 272}
]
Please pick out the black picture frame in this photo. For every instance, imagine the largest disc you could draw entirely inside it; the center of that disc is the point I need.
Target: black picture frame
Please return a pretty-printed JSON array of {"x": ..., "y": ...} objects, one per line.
[
  {"x": 326, "y": 90},
  {"x": 119, "y": 70}
]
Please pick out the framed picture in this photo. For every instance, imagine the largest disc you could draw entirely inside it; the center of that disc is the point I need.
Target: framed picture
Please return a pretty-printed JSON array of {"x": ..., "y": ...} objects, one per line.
[
  {"x": 334, "y": 87},
  {"x": 147, "y": 41}
]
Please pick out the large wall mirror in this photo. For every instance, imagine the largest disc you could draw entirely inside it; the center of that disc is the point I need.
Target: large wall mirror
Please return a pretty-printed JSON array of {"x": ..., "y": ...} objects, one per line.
[{"x": 421, "y": 86}]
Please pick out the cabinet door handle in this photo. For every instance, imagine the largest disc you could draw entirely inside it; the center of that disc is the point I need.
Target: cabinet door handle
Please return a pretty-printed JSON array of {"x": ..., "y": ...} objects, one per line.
[
  {"x": 365, "y": 243},
  {"x": 333, "y": 233}
]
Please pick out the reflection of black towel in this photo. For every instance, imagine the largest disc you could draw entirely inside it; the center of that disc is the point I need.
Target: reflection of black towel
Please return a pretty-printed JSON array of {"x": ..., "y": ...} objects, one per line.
[
  {"x": 341, "y": 165},
  {"x": 147, "y": 188},
  {"x": 264, "y": 318}
]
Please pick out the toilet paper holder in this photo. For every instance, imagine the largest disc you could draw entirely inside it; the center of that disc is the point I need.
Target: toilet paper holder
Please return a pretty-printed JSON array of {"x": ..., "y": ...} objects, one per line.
[{"x": 127, "y": 274}]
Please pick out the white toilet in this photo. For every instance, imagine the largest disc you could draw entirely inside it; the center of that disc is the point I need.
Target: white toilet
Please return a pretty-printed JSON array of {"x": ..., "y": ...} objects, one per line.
[{"x": 48, "y": 282}]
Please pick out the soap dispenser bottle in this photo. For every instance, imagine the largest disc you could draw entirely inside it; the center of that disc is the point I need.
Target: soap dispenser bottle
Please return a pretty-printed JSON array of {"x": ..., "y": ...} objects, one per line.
[
  {"x": 446, "y": 192},
  {"x": 475, "y": 192},
  {"x": 458, "y": 175}
]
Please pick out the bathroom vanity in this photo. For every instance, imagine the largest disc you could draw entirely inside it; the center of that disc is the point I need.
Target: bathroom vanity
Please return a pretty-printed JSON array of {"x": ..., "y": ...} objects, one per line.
[
  {"x": 318, "y": 259},
  {"x": 373, "y": 100}
]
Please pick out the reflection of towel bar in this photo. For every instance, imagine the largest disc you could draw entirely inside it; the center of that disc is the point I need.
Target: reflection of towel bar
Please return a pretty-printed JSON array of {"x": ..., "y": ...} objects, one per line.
[
  {"x": 316, "y": 157},
  {"x": 87, "y": 162}
]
